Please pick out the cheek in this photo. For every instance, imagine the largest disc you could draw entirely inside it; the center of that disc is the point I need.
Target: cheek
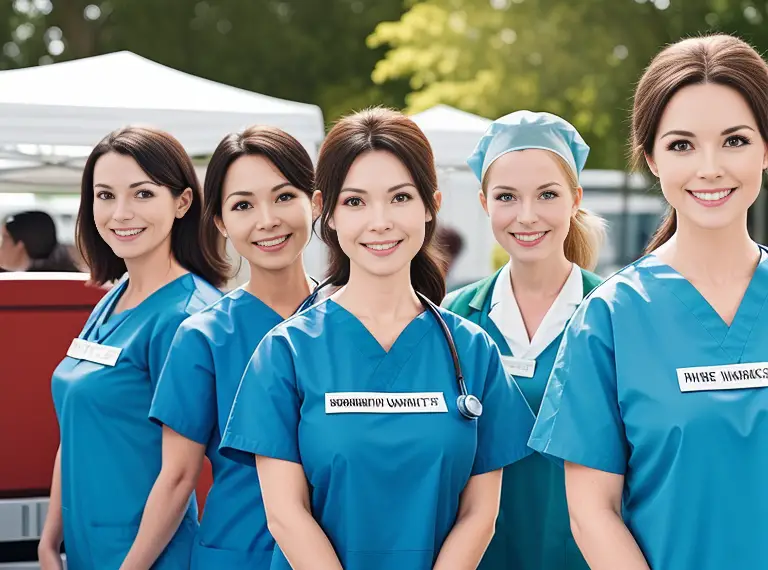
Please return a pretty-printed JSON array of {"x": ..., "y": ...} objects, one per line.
[{"x": 501, "y": 215}]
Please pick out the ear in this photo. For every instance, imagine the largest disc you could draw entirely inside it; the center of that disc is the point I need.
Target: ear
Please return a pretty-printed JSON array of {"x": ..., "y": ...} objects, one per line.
[
  {"x": 438, "y": 204},
  {"x": 651, "y": 164},
  {"x": 317, "y": 204},
  {"x": 578, "y": 196},
  {"x": 183, "y": 202},
  {"x": 220, "y": 226},
  {"x": 483, "y": 200}
]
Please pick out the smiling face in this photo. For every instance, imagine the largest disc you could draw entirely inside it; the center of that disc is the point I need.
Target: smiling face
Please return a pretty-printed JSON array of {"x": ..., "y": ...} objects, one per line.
[
  {"x": 379, "y": 216},
  {"x": 133, "y": 215},
  {"x": 709, "y": 163},
  {"x": 530, "y": 202},
  {"x": 268, "y": 220}
]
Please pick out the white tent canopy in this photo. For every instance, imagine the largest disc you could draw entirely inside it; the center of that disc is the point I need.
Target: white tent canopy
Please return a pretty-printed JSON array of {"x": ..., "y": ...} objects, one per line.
[
  {"x": 452, "y": 133},
  {"x": 76, "y": 103}
]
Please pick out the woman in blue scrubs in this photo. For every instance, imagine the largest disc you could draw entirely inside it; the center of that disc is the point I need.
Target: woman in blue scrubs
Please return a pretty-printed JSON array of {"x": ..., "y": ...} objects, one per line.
[
  {"x": 529, "y": 166},
  {"x": 258, "y": 191},
  {"x": 658, "y": 401},
  {"x": 365, "y": 458},
  {"x": 140, "y": 213}
]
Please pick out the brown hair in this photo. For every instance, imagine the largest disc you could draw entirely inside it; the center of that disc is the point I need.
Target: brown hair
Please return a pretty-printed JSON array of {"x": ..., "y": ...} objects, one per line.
[
  {"x": 166, "y": 163},
  {"x": 720, "y": 59},
  {"x": 387, "y": 130},
  {"x": 285, "y": 152},
  {"x": 587, "y": 231}
]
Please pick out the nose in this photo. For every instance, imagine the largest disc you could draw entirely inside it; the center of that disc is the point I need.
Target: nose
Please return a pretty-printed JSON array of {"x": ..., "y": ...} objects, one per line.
[
  {"x": 710, "y": 166},
  {"x": 526, "y": 213},
  {"x": 381, "y": 221},
  {"x": 123, "y": 210},
  {"x": 267, "y": 220}
]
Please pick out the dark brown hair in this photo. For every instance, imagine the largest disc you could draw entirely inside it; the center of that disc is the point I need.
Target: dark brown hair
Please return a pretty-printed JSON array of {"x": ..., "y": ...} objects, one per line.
[
  {"x": 387, "y": 130},
  {"x": 719, "y": 59},
  {"x": 166, "y": 163},
  {"x": 285, "y": 152}
]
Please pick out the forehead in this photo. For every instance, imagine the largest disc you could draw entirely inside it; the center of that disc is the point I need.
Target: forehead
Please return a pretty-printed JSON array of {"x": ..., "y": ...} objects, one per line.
[
  {"x": 521, "y": 168},
  {"x": 117, "y": 170},
  {"x": 692, "y": 107},
  {"x": 377, "y": 169},
  {"x": 251, "y": 172}
]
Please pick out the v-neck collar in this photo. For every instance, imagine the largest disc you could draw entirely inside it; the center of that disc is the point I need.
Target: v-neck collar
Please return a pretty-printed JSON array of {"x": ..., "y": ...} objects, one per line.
[
  {"x": 505, "y": 314},
  {"x": 732, "y": 339},
  {"x": 386, "y": 364}
]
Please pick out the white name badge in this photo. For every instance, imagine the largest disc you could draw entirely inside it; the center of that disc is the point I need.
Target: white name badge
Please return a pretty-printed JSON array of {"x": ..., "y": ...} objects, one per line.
[
  {"x": 385, "y": 403},
  {"x": 724, "y": 377},
  {"x": 92, "y": 352},
  {"x": 519, "y": 366}
]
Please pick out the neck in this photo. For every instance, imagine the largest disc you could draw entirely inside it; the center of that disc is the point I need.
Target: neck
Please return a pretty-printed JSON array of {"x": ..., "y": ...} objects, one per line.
[
  {"x": 379, "y": 298},
  {"x": 282, "y": 290},
  {"x": 544, "y": 277},
  {"x": 713, "y": 255},
  {"x": 151, "y": 271}
]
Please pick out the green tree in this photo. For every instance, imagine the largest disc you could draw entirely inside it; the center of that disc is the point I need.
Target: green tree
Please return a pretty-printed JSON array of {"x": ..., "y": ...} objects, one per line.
[
  {"x": 578, "y": 59},
  {"x": 305, "y": 50}
]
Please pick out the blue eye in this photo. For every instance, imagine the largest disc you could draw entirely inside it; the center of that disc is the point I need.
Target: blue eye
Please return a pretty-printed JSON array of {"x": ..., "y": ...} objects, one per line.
[
  {"x": 505, "y": 197},
  {"x": 549, "y": 195}
]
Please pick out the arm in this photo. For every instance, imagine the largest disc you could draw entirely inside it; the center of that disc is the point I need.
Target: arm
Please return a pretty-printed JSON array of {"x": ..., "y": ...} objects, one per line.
[
  {"x": 475, "y": 523},
  {"x": 49, "y": 548},
  {"x": 594, "y": 505},
  {"x": 167, "y": 502},
  {"x": 289, "y": 517}
]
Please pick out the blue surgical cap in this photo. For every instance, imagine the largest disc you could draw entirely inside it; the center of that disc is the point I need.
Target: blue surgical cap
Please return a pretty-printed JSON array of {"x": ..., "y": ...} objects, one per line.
[{"x": 523, "y": 130}]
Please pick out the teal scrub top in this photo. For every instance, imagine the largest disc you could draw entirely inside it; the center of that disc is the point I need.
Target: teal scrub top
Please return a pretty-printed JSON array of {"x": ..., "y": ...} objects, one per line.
[
  {"x": 194, "y": 397},
  {"x": 110, "y": 451},
  {"x": 650, "y": 383},
  {"x": 385, "y": 451},
  {"x": 533, "y": 529}
]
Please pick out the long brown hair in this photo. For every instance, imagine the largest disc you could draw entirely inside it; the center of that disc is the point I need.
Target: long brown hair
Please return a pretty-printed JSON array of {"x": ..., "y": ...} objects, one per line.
[
  {"x": 380, "y": 129},
  {"x": 720, "y": 59},
  {"x": 281, "y": 149},
  {"x": 165, "y": 161}
]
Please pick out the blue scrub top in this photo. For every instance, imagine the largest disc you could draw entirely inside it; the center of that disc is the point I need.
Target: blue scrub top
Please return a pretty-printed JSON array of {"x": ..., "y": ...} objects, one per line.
[
  {"x": 110, "y": 451},
  {"x": 694, "y": 462},
  {"x": 194, "y": 397},
  {"x": 385, "y": 487}
]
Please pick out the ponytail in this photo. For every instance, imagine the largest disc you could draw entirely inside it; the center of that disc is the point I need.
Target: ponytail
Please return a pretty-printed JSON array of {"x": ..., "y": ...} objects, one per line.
[
  {"x": 664, "y": 232},
  {"x": 584, "y": 239},
  {"x": 428, "y": 273}
]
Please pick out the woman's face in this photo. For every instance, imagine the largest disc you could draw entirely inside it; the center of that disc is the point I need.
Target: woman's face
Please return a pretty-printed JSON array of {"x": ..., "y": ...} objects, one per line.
[
  {"x": 709, "y": 156},
  {"x": 530, "y": 203},
  {"x": 133, "y": 215},
  {"x": 267, "y": 219}
]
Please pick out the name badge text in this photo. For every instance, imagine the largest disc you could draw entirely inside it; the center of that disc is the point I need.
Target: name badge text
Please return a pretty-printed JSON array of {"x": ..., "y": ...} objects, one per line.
[
  {"x": 92, "y": 352},
  {"x": 724, "y": 377},
  {"x": 385, "y": 403},
  {"x": 519, "y": 366}
]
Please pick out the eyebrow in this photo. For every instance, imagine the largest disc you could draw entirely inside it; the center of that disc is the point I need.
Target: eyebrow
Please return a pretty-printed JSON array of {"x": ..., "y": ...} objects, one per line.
[
  {"x": 134, "y": 185},
  {"x": 728, "y": 131},
  {"x": 511, "y": 189},
  {"x": 250, "y": 193},
  {"x": 393, "y": 189}
]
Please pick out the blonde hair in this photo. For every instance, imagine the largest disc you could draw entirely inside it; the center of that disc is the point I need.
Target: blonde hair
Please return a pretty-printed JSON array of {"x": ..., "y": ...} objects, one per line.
[{"x": 587, "y": 232}]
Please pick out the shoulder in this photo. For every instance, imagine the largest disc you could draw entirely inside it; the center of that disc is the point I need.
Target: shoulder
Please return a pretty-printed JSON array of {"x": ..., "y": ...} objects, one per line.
[
  {"x": 458, "y": 301},
  {"x": 310, "y": 323},
  {"x": 590, "y": 280},
  {"x": 210, "y": 319},
  {"x": 467, "y": 335}
]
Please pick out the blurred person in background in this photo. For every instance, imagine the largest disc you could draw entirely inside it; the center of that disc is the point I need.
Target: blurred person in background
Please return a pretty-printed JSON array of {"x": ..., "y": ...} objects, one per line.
[
  {"x": 28, "y": 243},
  {"x": 451, "y": 244}
]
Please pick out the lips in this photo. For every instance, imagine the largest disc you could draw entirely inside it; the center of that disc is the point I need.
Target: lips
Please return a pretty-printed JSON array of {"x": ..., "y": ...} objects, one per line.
[
  {"x": 127, "y": 232},
  {"x": 273, "y": 241},
  {"x": 711, "y": 195},
  {"x": 383, "y": 246},
  {"x": 529, "y": 237}
]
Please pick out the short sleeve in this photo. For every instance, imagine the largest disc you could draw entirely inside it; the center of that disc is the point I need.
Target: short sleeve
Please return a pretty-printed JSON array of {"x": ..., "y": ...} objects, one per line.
[
  {"x": 580, "y": 420},
  {"x": 505, "y": 425},
  {"x": 265, "y": 415},
  {"x": 185, "y": 397}
]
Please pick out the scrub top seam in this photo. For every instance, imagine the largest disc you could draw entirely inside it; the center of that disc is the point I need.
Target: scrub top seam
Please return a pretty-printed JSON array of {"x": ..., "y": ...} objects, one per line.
[{"x": 752, "y": 328}]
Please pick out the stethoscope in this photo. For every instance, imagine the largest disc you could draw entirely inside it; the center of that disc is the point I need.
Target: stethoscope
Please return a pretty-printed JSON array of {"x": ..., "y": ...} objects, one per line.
[{"x": 468, "y": 405}]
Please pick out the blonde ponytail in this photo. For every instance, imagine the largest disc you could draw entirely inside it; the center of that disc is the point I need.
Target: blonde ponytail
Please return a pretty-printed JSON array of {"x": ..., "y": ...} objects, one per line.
[{"x": 584, "y": 240}]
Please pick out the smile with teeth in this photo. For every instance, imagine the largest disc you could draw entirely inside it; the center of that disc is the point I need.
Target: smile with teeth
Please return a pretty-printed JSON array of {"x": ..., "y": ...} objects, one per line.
[
  {"x": 273, "y": 242},
  {"x": 382, "y": 246},
  {"x": 711, "y": 196},
  {"x": 129, "y": 233},
  {"x": 529, "y": 237}
]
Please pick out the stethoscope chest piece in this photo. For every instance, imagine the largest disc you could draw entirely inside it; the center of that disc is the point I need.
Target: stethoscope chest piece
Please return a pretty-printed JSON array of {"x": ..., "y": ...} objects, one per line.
[{"x": 469, "y": 406}]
